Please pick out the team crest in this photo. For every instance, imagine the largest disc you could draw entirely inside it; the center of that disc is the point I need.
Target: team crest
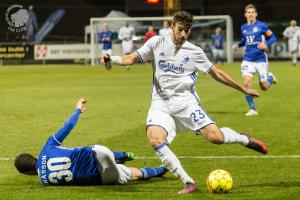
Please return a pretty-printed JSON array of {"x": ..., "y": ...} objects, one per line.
[
  {"x": 186, "y": 59},
  {"x": 255, "y": 29}
]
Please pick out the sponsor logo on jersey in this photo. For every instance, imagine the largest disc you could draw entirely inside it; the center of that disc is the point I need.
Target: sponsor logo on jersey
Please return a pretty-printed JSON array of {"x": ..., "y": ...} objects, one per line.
[{"x": 167, "y": 67}]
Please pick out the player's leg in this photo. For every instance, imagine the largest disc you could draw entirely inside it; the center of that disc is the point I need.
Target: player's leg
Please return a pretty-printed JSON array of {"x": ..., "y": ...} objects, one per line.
[
  {"x": 108, "y": 64},
  {"x": 293, "y": 47},
  {"x": 294, "y": 58},
  {"x": 160, "y": 132},
  {"x": 229, "y": 136},
  {"x": 127, "y": 46},
  {"x": 121, "y": 157},
  {"x": 247, "y": 80},
  {"x": 147, "y": 172},
  {"x": 266, "y": 79},
  {"x": 157, "y": 138},
  {"x": 132, "y": 173},
  {"x": 248, "y": 70},
  {"x": 107, "y": 166},
  {"x": 222, "y": 56}
]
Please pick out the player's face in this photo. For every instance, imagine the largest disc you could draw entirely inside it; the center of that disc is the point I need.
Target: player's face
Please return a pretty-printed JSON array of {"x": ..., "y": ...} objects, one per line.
[
  {"x": 180, "y": 33},
  {"x": 250, "y": 15}
]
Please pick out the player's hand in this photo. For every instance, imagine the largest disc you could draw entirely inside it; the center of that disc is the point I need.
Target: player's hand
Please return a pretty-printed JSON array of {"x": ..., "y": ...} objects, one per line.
[
  {"x": 80, "y": 103},
  {"x": 262, "y": 46},
  {"x": 252, "y": 92},
  {"x": 235, "y": 47},
  {"x": 104, "y": 58}
]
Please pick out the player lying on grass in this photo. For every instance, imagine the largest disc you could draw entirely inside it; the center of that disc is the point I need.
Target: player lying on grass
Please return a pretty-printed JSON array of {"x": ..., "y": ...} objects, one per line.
[
  {"x": 91, "y": 165},
  {"x": 175, "y": 104}
]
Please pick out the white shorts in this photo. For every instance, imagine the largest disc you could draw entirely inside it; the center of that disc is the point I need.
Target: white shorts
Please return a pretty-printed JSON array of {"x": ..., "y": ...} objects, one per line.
[
  {"x": 218, "y": 53},
  {"x": 111, "y": 173},
  {"x": 293, "y": 45},
  {"x": 192, "y": 118},
  {"x": 107, "y": 51},
  {"x": 127, "y": 46},
  {"x": 250, "y": 68}
]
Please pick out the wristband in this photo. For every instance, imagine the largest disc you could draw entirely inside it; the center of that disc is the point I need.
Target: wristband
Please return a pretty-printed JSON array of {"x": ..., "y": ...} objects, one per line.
[{"x": 116, "y": 59}]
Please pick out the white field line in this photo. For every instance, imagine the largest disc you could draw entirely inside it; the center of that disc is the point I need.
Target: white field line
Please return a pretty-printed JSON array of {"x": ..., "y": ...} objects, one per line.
[
  {"x": 206, "y": 157},
  {"x": 228, "y": 157}
]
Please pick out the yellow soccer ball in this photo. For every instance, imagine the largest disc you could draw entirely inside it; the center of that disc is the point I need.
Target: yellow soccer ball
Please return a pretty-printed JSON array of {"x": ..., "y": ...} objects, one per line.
[{"x": 219, "y": 181}]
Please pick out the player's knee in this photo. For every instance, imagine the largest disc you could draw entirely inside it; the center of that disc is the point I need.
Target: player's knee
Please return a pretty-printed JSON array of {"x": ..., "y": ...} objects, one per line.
[
  {"x": 105, "y": 152},
  {"x": 264, "y": 87},
  {"x": 156, "y": 136},
  {"x": 155, "y": 142}
]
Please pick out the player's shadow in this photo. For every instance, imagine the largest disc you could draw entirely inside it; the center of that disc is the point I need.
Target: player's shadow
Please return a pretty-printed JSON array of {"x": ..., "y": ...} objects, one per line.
[
  {"x": 135, "y": 186},
  {"x": 225, "y": 112},
  {"x": 280, "y": 184}
]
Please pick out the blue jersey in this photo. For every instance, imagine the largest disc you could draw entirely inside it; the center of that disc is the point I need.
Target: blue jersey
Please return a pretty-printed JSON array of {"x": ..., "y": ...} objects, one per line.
[
  {"x": 57, "y": 165},
  {"x": 217, "y": 41},
  {"x": 252, "y": 35},
  {"x": 106, "y": 39}
]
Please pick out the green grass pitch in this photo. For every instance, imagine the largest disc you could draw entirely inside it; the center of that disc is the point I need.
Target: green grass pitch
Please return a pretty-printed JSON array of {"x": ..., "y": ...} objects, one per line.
[{"x": 36, "y": 100}]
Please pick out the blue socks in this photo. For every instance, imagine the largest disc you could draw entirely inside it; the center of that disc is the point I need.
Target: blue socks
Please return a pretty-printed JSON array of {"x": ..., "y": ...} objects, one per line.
[
  {"x": 270, "y": 80},
  {"x": 153, "y": 172},
  {"x": 119, "y": 155},
  {"x": 250, "y": 102}
]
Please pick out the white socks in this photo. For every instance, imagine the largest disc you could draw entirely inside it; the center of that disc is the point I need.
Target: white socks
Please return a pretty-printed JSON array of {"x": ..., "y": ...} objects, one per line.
[
  {"x": 231, "y": 136},
  {"x": 171, "y": 162},
  {"x": 294, "y": 58}
]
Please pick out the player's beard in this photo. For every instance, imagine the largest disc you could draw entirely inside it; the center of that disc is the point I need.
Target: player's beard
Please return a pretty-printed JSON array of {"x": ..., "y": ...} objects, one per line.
[{"x": 179, "y": 41}]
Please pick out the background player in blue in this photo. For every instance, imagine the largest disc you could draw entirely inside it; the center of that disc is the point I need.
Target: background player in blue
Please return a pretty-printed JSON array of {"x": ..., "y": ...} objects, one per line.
[
  {"x": 106, "y": 38},
  {"x": 217, "y": 44},
  {"x": 257, "y": 37},
  {"x": 91, "y": 165}
]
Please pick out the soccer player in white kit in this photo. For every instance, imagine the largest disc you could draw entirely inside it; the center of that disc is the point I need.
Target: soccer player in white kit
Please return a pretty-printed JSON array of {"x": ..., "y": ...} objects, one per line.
[
  {"x": 165, "y": 30},
  {"x": 175, "y": 104},
  {"x": 125, "y": 35},
  {"x": 290, "y": 34}
]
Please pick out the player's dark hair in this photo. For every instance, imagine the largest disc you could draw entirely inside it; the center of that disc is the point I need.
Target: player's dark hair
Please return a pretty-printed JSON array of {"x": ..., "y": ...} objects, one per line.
[
  {"x": 184, "y": 18},
  {"x": 25, "y": 164},
  {"x": 249, "y": 6}
]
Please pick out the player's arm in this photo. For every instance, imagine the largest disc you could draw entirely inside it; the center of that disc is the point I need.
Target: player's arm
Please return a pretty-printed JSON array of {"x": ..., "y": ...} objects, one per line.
[
  {"x": 224, "y": 78},
  {"x": 271, "y": 38},
  {"x": 143, "y": 54},
  {"x": 101, "y": 38},
  {"x": 122, "y": 60},
  {"x": 64, "y": 131},
  {"x": 241, "y": 43}
]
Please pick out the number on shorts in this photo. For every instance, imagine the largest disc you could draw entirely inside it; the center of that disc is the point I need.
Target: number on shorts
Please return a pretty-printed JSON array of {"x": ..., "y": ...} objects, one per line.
[{"x": 197, "y": 115}]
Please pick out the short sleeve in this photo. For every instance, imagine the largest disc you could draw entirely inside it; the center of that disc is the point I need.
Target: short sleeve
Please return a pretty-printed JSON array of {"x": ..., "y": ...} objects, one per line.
[
  {"x": 202, "y": 62},
  {"x": 265, "y": 29},
  {"x": 145, "y": 53}
]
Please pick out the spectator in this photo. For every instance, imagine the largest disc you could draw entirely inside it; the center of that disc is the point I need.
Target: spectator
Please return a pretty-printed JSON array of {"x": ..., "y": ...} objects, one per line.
[{"x": 150, "y": 33}]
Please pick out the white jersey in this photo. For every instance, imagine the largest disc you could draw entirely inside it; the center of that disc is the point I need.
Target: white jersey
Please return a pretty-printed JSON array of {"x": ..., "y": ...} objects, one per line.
[
  {"x": 175, "y": 69},
  {"x": 290, "y": 32},
  {"x": 126, "y": 34},
  {"x": 165, "y": 32}
]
